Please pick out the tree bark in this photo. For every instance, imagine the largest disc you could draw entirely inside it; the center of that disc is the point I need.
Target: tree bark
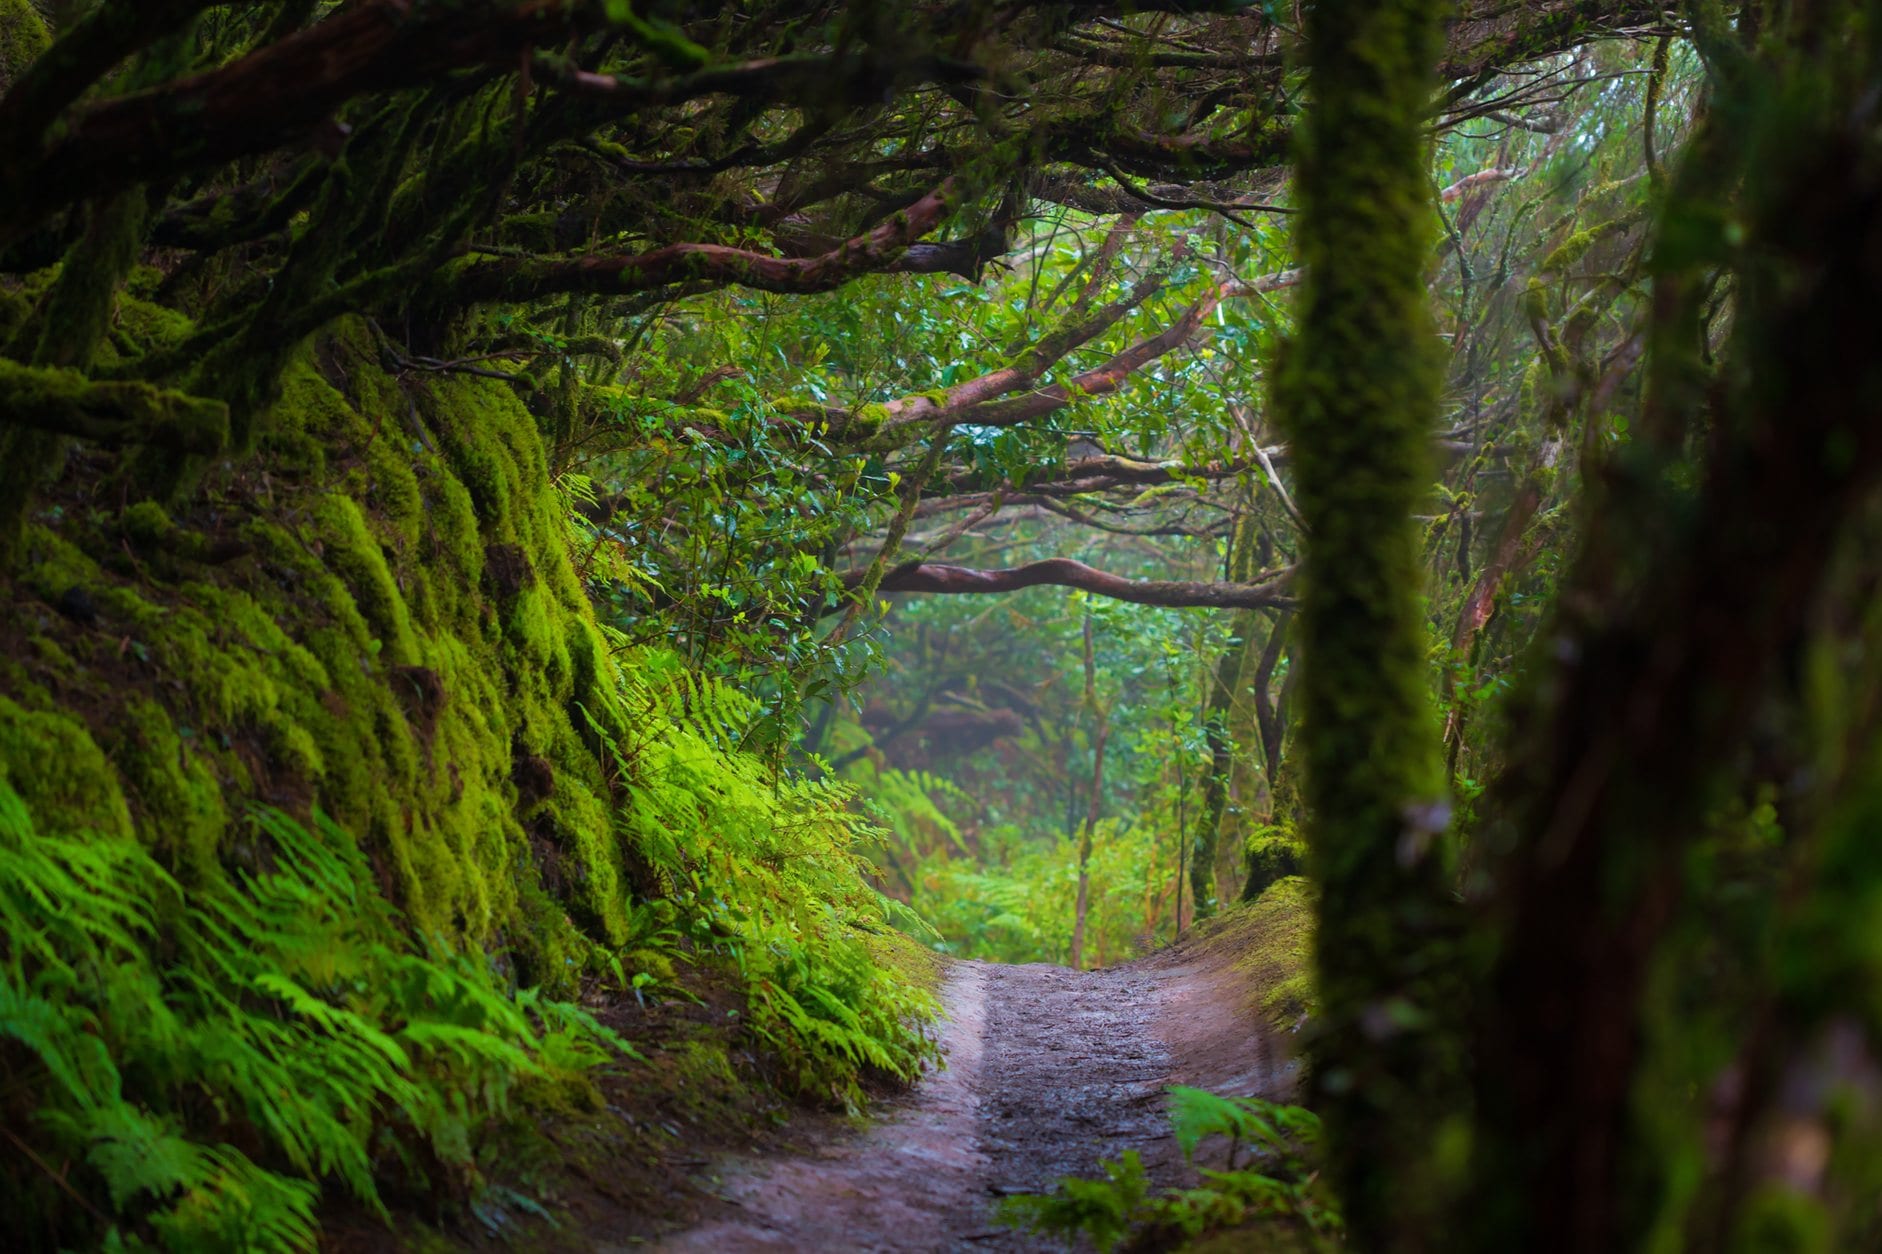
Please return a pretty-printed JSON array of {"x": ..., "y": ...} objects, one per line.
[
  {"x": 1682, "y": 617},
  {"x": 1101, "y": 733},
  {"x": 934, "y": 577},
  {"x": 615, "y": 275},
  {"x": 66, "y": 403},
  {"x": 1358, "y": 395}
]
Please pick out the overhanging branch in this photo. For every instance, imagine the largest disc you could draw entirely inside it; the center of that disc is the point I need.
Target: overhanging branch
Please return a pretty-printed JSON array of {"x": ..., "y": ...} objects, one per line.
[
  {"x": 935, "y": 577},
  {"x": 65, "y": 402},
  {"x": 527, "y": 279}
]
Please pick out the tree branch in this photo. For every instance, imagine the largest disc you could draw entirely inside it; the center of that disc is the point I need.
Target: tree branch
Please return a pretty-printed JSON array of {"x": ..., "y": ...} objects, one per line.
[
  {"x": 1099, "y": 381},
  {"x": 65, "y": 402},
  {"x": 104, "y": 37},
  {"x": 934, "y": 577},
  {"x": 909, "y": 413},
  {"x": 516, "y": 280}
]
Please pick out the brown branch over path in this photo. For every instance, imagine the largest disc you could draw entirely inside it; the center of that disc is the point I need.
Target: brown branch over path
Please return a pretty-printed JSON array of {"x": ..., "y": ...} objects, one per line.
[
  {"x": 936, "y": 577},
  {"x": 616, "y": 275},
  {"x": 270, "y": 97}
]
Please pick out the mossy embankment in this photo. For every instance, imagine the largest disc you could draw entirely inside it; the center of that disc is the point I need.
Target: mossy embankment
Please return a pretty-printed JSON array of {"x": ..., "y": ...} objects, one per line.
[
  {"x": 375, "y": 615},
  {"x": 371, "y": 616},
  {"x": 1268, "y": 944}
]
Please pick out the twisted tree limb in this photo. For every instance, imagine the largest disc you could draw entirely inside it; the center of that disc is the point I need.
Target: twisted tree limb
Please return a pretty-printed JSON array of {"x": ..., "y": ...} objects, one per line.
[
  {"x": 936, "y": 577},
  {"x": 527, "y": 279},
  {"x": 65, "y": 402}
]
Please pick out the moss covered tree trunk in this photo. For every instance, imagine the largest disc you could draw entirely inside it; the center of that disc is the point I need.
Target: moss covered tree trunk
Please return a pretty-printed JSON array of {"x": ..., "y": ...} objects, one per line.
[
  {"x": 1358, "y": 396},
  {"x": 1690, "y": 632},
  {"x": 67, "y": 334},
  {"x": 1100, "y": 735},
  {"x": 1238, "y": 658},
  {"x": 1215, "y": 796}
]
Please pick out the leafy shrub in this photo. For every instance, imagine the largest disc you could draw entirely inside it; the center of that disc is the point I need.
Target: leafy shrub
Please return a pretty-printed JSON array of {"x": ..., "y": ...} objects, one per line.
[
  {"x": 1281, "y": 1183},
  {"x": 1105, "y": 1210},
  {"x": 199, "y": 1060}
]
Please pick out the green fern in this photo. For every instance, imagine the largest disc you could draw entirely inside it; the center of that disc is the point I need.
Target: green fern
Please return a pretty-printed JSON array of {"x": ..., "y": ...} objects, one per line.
[
  {"x": 1282, "y": 1185},
  {"x": 207, "y": 1055},
  {"x": 282, "y": 1008},
  {"x": 766, "y": 870}
]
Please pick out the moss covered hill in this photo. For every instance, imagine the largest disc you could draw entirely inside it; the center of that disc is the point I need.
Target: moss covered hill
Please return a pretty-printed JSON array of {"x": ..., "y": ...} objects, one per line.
[
  {"x": 376, "y": 616},
  {"x": 325, "y": 800},
  {"x": 374, "y": 619}
]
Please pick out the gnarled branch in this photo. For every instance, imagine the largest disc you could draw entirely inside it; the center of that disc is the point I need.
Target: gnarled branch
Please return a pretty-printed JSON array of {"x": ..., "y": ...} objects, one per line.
[
  {"x": 522, "y": 280},
  {"x": 65, "y": 402},
  {"x": 935, "y": 577}
]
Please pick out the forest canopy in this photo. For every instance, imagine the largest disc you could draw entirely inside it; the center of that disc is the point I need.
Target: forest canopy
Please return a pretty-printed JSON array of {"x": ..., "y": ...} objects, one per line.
[{"x": 559, "y": 549}]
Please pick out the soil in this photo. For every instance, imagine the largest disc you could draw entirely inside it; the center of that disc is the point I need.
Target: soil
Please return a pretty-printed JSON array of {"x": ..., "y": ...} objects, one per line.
[{"x": 1049, "y": 1071}]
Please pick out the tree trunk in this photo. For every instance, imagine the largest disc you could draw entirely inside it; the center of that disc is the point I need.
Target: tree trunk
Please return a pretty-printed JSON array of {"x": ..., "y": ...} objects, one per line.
[
  {"x": 1358, "y": 395},
  {"x": 1215, "y": 796},
  {"x": 1509, "y": 554},
  {"x": 1218, "y": 722},
  {"x": 1255, "y": 781},
  {"x": 67, "y": 331},
  {"x": 1684, "y": 618},
  {"x": 1101, "y": 732}
]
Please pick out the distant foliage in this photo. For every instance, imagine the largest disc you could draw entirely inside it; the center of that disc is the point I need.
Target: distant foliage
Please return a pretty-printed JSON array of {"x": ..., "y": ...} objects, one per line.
[
  {"x": 913, "y": 805},
  {"x": 187, "y": 1065},
  {"x": 1014, "y": 903}
]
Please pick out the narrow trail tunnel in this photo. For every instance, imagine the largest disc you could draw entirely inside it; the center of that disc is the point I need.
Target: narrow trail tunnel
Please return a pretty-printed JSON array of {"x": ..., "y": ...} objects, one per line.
[{"x": 1049, "y": 1072}]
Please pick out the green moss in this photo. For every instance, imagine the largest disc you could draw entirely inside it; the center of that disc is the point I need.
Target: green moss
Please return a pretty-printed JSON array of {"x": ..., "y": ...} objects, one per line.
[
  {"x": 1270, "y": 940},
  {"x": 177, "y": 792},
  {"x": 649, "y": 962},
  {"x": 1283, "y": 918},
  {"x": 582, "y": 826},
  {"x": 52, "y": 761},
  {"x": 361, "y": 654},
  {"x": 149, "y": 327},
  {"x": 1571, "y": 250},
  {"x": 1358, "y": 396},
  {"x": 56, "y": 565},
  {"x": 23, "y": 37},
  {"x": 1578, "y": 244},
  {"x": 15, "y": 309},
  {"x": 147, "y": 524},
  {"x": 1273, "y": 854},
  {"x": 354, "y": 555},
  {"x": 915, "y": 964},
  {"x": 866, "y": 419}
]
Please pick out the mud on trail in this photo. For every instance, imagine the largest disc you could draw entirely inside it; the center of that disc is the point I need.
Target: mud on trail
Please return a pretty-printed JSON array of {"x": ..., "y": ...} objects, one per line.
[{"x": 1049, "y": 1071}]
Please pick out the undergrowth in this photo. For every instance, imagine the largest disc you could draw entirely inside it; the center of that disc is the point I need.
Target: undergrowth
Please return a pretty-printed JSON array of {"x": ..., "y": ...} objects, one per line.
[
  {"x": 188, "y": 1064},
  {"x": 764, "y": 869},
  {"x": 1280, "y": 1184}
]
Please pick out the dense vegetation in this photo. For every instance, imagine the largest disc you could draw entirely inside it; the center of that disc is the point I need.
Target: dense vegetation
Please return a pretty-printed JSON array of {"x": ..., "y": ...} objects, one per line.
[{"x": 516, "y": 515}]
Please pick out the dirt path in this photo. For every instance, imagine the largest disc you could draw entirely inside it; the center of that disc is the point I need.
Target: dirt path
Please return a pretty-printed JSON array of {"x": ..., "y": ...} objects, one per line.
[{"x": 1049, "y": 1071}]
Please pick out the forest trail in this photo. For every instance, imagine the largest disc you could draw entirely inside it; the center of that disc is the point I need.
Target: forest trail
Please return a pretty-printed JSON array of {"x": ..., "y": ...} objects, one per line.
[{"x": 1049, "y": 1071}]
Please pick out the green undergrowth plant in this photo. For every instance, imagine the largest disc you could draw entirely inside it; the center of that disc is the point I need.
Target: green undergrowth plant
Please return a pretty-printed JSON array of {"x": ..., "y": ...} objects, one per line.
[
  {"x": 190, "y": 1065},
  {"x": 764, "y": 869},
  {"x": 1014, "y": 902},
  {"x": 1270, "y": 1182}
]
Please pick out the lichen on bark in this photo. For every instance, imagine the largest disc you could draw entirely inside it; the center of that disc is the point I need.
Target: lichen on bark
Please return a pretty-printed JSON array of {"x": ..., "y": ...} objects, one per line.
[{"x": 1358, "y": 396}]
